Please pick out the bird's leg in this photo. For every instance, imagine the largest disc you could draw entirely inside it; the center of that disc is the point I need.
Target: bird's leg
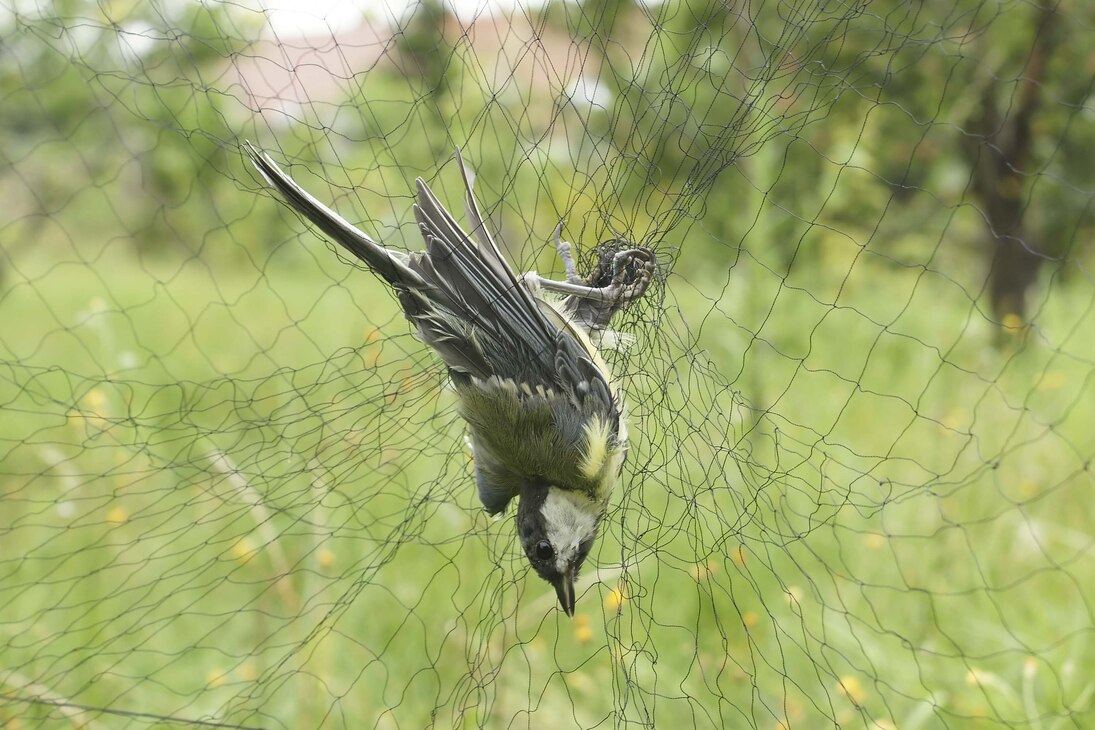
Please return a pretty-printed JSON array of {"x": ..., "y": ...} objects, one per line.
[
  {"x": 563, "y": 247},
  {"x": 632, "y": 272}
]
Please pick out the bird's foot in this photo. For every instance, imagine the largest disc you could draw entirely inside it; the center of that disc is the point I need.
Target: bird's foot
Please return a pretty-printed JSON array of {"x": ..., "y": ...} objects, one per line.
[{"x": 632, "y": 270}]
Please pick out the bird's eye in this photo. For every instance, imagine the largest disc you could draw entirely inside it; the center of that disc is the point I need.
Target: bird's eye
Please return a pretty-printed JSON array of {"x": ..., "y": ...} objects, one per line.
[{"x": 544, "y": 550}]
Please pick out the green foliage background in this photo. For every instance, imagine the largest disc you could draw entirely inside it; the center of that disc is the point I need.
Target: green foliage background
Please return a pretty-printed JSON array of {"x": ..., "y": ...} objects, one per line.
[{"x": 233, "y": 488}]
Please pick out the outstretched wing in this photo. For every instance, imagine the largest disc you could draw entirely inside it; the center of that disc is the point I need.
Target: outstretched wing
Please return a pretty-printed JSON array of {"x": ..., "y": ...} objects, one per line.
[
  {"x": 465, "y": 299},
  {"x": 524, "y": 338}
]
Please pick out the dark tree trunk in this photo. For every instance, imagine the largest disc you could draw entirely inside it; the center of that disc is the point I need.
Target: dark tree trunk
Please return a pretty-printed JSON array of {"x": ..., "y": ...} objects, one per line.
[{"x": 1001, "y": 156}]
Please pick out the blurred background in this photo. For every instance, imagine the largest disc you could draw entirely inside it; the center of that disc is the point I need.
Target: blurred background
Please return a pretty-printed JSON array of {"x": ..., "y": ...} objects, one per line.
[{"x": 234, "y": 490}]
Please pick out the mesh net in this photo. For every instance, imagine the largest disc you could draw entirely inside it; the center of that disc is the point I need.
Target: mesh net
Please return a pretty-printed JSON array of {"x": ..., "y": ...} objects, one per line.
[{"x": 234, "y": 489}]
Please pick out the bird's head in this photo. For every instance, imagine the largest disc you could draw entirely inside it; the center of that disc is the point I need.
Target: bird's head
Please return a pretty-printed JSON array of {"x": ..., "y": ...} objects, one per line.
[{"x": 557, "y": 528}]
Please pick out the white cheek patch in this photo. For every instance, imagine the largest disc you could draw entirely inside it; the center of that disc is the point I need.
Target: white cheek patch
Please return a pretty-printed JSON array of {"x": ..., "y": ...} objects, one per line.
[{"x": 570, "y": 518}]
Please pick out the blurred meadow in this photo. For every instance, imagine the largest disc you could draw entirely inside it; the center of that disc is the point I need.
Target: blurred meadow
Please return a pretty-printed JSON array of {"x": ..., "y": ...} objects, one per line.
[{"x": 234, "y": 490}]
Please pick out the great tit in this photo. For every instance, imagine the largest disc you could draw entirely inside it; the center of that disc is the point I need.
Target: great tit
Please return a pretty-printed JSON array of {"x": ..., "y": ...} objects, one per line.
[{"x": 546, "y": 421}]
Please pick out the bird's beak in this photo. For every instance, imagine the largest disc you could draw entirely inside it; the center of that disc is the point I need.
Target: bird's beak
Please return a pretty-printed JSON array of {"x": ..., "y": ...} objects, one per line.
[{"x": 564, "y": 588}]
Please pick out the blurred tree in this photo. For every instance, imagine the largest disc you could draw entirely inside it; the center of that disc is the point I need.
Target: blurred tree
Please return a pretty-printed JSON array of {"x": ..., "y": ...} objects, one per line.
[
  {"x": 1001, "y": 153},
  {"x": 108, "y": 122},
  {"x": 986, "y": 93},
  {"x": 701, "y": 84},
  {"x": 428, "y": 56}
]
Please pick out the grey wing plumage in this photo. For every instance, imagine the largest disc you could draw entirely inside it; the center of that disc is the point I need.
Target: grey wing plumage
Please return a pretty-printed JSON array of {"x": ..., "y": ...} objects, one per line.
[
  {"x": 464, "y": 298},
  {"x": 531, "y": 342},
  {"x": 515, "y": 335}
]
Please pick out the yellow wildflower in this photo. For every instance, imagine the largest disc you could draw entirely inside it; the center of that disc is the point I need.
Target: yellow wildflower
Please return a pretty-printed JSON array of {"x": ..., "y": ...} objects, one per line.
[{"x": 852, "y": 689}]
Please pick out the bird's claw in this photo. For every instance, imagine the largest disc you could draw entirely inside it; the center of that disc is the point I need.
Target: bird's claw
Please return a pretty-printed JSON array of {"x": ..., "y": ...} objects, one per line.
[
  {"x": 565, "y": 253},
  {"x": 630, "y": 272}
]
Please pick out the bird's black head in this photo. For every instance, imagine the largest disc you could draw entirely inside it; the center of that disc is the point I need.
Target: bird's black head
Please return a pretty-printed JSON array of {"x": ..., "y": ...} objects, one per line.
[{"x": 557, "y": 529}]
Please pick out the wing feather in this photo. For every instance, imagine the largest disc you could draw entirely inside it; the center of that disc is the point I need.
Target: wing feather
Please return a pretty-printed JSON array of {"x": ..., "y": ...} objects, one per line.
[{"x": 466, "y": 301}]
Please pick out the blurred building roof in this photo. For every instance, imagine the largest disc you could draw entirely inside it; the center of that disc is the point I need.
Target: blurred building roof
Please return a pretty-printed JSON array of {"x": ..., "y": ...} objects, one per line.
[{"x": 507, "y": 54}]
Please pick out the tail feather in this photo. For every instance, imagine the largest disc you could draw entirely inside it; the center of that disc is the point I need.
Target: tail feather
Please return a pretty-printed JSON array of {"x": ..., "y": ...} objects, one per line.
[{"x": 388, "y": 264}]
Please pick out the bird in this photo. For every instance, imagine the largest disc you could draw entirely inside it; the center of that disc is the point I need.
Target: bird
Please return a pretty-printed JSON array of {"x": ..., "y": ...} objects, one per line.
[{"x": 546, "y": 420}]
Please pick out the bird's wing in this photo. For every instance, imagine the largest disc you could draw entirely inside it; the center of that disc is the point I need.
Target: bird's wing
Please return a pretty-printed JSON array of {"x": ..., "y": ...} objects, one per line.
[
  {"x": 465, "y": 298},
  {"x": 498, "y": 302},
  {"x": 524, "y": 338},
  {"x": 575, "y": 366},
  {"x": 580, "y": 368},
  {"x": 479, "y": 228},
  {"x": 497, "y": 485}
]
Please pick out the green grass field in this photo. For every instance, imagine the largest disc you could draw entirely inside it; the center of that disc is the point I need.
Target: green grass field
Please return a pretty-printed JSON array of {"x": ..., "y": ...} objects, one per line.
[{"x": 242, "y": 495}]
